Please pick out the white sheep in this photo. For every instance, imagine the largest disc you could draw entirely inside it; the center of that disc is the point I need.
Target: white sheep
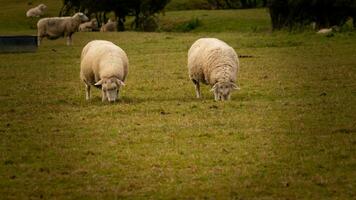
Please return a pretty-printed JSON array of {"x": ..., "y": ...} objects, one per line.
[
  {"x": 327, "y": 31},
  {"x": 110, "y": 26},
  {"x": 213, "y": 62},
  {"x": 55, "y": 27},
  {"x": 36, "y": 11},
  {"x": 88, "y": 26},
  {"x": 103, "y": 65}
]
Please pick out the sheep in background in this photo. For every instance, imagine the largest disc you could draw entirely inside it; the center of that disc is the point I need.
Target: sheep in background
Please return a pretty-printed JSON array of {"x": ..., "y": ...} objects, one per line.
[
  {"x": 213, "y": 62},
  {"x": 89, "y": 26},
  {"x": 325, "y": 31},
  {"x": 103, "y": 65},
  {"x": 328, "y": 31},
  {"x": 55, "y": 27},
  {"x": 36, "y": 11},
  {"x": 110, "y": 26}
]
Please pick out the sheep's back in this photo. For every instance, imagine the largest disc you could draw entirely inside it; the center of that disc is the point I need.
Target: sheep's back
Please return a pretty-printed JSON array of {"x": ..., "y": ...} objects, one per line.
[
  {"x": 97, "y": 53},
  {"x": 209, "y": 55}
]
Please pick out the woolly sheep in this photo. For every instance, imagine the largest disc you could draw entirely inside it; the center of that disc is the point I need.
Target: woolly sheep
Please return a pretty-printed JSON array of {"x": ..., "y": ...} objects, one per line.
[
  {"x": 55, "y": 27},
  {"x": 110, "y": 26},
  {"x": 88, "y": 26},
  {"x": 36, "y": 11},
  {"x": 213, "y": 62},
  {"x": 104, "y": 65}
]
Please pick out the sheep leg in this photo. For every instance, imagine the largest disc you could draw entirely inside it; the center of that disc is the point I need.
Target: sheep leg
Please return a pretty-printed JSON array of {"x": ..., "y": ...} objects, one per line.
[
  {"x": 197, "y": 88},
  {"x": 69, "y": 40},
  {"x": 87, "y": 91},
  {"x": 39, "y": 39},
  {"x": 103, "y": 96}
]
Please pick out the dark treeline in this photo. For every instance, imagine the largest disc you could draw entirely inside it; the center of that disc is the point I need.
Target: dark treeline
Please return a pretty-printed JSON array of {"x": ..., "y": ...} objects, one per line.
[
  {"x": 298, "y": 13},
  {"x": 142, "y": 10}
]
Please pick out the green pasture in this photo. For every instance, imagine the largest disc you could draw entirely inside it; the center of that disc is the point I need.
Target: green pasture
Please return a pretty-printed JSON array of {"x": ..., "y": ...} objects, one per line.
[{"x": 289, "y": 133}]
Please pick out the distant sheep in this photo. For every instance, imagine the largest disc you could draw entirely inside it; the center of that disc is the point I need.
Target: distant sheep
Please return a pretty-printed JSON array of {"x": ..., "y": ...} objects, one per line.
[
  {"x": 55, "y": 27},
  {"x": 104, "y": 65},
  {"x": 213, "y": 62},
  {"x": 327, "y": 31},
  {"x": 110, "y": 26},
  {"x": 89, "y": 26},
  {"x": 36, "y": 11}
]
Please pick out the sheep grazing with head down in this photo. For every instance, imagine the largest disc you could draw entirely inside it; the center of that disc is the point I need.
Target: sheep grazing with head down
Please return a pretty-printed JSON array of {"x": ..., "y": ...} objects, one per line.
[
  {"x": 213, "y": 62},
  {"x": 55, "y": 27},
  {"x": 89, "y": 26},
  {"x": 36, "y": 11},
  {"x": 104, "y": 65},
  {"x": 110, "y": 26}
]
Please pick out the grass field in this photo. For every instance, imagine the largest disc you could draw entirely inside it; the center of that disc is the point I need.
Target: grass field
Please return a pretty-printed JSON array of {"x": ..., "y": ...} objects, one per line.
[{"x": 289, "y": 133}]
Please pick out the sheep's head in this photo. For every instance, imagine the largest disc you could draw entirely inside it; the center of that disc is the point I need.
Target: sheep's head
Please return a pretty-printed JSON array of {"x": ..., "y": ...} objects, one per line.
[
  {"x": 222, "y": 90},
  {"x": 42, "y": 6},
  {"x": 81, "y": 16},
  {"x": 94, "y": 23},
  {"x": 110, "y": 88}
]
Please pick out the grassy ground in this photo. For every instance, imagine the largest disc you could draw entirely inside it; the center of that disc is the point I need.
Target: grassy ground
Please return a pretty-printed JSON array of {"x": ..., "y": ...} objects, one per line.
[
  {"x": 252, "y": 20},
  {"x": 288, "y": 134}
]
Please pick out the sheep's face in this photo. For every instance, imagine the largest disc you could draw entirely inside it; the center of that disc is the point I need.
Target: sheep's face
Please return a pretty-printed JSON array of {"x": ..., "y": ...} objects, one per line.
[
  {"x": 42, "y": 6},
  {"x": 82, "y": 17},
  {"x": 222, "y": 91},
  {"x": 110, "y": 88},
  {"x": 94, "y": 23}
]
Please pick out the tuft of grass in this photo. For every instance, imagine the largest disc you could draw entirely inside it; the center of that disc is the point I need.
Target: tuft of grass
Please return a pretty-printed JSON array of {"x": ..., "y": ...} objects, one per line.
[{"x": 185, "y": 26}]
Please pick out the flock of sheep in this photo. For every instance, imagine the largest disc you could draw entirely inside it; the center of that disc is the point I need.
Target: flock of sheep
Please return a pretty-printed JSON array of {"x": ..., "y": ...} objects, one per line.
[
  {"x": 55, "y": 27},
  {"x": 105, "y": 65}
]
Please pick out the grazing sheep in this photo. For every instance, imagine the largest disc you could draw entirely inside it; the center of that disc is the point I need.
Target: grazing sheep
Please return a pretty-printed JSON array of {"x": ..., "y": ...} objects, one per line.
[
  {"x": 213, "y": 62},
  {"x": 103, "y": 65},
  {"x": 89, "y": 26},
  {"x": 110, "y": 26},
  {"x": 55, "y": 27},
  {"x": 36, "y": 11}
]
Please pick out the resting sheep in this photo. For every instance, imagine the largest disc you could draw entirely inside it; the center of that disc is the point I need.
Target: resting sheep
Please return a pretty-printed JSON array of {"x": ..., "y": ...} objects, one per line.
[
  {"x": 328, "y": 31},
  {"x": 325, "y": 31},
  {"x": 213, "y": 62},
  {"x": 89, "y": 26},
  {"x": 36, "y": 11},
  {"x": 104, "y": 65},
  {"x": 110, "y": 26},
  {"x": 55, "y": 27}
]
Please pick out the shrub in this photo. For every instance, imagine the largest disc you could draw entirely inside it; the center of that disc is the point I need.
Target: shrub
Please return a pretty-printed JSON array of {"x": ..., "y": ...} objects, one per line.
[{"x": 189, "y": 25}]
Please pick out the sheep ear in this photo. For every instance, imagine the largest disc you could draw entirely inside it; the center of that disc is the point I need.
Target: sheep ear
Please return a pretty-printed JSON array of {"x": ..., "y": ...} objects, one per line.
[
  {"x": 99, "y": 82},
  {"x": 235, "y": 87},
  {"x": 119, "y": 82},
  {"x": 214, "y": 87}
]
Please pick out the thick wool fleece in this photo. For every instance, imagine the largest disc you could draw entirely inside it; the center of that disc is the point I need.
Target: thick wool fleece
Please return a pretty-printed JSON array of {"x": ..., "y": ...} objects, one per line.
[
  {"x": 211, "y": 60},
  {"x": 103, "y": 59}
]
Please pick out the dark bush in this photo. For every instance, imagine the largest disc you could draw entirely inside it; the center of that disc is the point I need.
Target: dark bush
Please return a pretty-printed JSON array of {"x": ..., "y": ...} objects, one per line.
[{"x": 325, "y": 13}]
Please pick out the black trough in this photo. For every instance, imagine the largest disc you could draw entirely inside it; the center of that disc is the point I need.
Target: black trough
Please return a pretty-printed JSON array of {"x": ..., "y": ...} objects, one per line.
[{"x": 20, "y": 43}]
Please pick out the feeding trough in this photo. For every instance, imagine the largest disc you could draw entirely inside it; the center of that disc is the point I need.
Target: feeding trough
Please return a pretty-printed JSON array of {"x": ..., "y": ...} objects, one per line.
[{"x": 18, "y": 44}]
